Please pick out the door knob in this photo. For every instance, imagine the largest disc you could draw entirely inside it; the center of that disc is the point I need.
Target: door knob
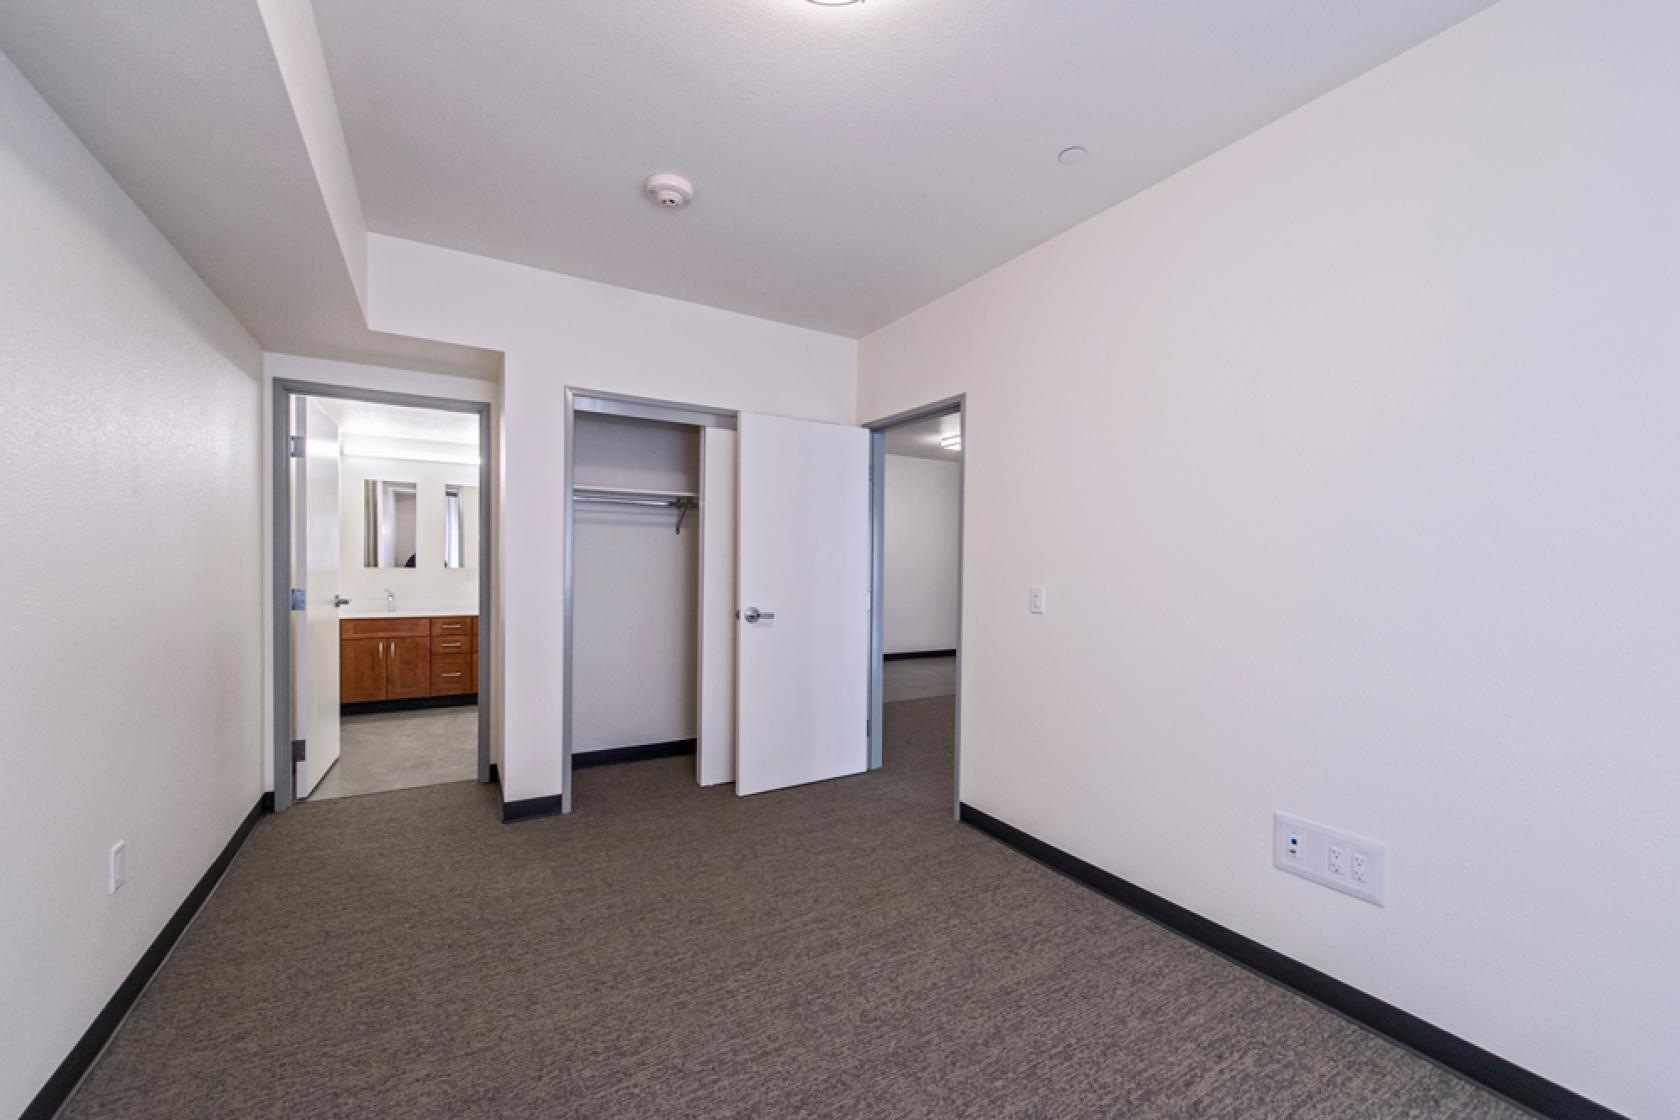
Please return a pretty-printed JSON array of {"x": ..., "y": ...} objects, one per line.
[
  {"x": 753, "y": 614},
  {"x": 340, "y": 601}
]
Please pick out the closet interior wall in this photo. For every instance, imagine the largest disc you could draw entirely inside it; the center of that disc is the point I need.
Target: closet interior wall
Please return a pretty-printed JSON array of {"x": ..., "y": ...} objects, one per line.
[{"x": 635, "y": 587}]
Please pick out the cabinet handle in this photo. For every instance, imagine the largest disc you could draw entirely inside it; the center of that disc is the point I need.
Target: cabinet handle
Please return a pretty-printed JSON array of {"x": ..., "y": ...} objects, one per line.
[
  {"x": 451, "y": 645},
  {"x": 452, "y": 674},
  {"x": 381, "y": 651}
]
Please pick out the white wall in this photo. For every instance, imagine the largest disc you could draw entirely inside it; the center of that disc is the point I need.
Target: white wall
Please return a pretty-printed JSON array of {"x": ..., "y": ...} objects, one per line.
[
  {"x": 132, "y": 701},
  {"x": 558, "y": 331},
  {"x": 1348, "y": 458},
  {"x": 635, "y": 589},
  {"x": 428, "y": 584},
  {"x": 921, "y": 516},
  {"x": 290, "y": 367}
]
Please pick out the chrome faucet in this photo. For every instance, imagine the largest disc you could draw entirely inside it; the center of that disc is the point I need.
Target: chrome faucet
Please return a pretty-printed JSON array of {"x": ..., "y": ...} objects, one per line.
[{"x": 390, "y": 599}]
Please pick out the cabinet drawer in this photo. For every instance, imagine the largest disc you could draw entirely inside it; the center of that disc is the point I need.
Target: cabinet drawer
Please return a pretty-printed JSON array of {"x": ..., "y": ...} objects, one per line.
[
  {"x": 452, "y": 673},
  {"x": 383, "y": 627},
  {"x": 454, "y": 625},
  {"x": 452, "y": 643}
]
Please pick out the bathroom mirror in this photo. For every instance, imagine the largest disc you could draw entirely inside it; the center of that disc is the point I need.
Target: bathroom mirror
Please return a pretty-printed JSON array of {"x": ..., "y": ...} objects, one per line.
[
  {"x": 389, "y": 510},
  {"x": 460, "y": 526}
]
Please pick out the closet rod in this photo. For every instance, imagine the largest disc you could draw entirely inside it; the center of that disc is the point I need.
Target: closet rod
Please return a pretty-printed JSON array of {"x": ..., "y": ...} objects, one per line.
[{"x": 682, "y": 503}]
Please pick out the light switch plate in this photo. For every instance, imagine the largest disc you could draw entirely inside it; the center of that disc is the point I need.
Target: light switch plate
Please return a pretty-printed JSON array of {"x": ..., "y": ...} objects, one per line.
[
  {"x": 1035, "y": 598},
  {"x": 119, "y": 866},
  {"x": 1332, "y": 858}
]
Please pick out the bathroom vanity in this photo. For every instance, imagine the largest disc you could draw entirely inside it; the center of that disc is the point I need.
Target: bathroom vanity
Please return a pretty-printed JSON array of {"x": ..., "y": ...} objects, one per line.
[{"x": 407, "y": 657}]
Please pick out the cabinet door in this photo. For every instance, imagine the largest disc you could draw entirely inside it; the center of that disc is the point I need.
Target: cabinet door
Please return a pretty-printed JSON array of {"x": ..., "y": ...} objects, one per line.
[
  {"x": 408, "y": 668},
  {"x": 361, "y": 670}
]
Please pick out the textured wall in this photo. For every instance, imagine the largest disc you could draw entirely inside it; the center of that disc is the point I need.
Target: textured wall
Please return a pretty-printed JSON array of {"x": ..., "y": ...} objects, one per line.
[
  {"x": 132, "y": 698},
  {"x": 919, "y": 601},
  {"x": 1348, "y": 459}
]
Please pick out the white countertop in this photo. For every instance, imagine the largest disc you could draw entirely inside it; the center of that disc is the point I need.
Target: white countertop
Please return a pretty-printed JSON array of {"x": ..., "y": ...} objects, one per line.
[{"x": 439, "y": 611}]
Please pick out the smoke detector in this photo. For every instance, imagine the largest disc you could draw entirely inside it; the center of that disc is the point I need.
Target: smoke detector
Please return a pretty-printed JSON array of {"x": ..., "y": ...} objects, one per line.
[{"x": 669, "y": 192}]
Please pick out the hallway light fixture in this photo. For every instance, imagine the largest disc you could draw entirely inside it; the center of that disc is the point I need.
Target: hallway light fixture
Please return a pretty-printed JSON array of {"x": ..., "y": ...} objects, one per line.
[{"x": 833, "y": 3}]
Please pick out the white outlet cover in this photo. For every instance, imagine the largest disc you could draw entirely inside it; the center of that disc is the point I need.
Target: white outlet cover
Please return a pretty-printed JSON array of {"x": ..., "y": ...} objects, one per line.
[{"x": 1312, "y": 858}]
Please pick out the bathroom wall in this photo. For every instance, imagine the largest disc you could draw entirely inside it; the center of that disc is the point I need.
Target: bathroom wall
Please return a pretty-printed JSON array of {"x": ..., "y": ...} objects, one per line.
[{"x": 428, "y": 584}]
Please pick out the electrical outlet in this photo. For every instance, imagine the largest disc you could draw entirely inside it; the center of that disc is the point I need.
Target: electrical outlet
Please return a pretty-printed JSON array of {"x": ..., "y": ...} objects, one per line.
[
  {"x": 119, "y": 866},
  {"x": 1338, "y": 860},
  {"x": 1035, "y": 599}
]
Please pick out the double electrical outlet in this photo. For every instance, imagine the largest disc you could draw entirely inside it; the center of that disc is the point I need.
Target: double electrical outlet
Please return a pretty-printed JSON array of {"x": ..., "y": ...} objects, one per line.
[{"x": 1338, "y": 860}]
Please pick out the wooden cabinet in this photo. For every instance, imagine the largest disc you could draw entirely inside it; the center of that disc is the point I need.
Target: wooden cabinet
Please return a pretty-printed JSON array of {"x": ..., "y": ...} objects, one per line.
[
  {"x": 452, "y": 674},
  {"x": 408, "y": 668},
  {"x": 407, "y": 658},
  {"x": 361, "y": 670}
]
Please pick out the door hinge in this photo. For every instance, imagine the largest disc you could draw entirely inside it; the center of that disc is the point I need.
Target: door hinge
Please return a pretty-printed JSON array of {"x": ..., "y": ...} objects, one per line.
[
  {"x": 298, "y": 750},
  {"x": 297, "y": 598},
  {"x": 294, "y": 446}
]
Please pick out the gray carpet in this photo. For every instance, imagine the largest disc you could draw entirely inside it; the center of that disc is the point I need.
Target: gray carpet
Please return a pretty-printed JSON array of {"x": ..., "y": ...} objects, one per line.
[
  {"x": 383, "y": 751},
  {"x": 917, "y": 678},
  {"x": 838, "y": 950}
]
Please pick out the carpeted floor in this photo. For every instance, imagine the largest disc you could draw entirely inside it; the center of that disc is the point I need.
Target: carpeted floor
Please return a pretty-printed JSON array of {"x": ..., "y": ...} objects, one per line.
[
  {"x": 917, "y": 678},
  {"x": 838, "y": 950}
]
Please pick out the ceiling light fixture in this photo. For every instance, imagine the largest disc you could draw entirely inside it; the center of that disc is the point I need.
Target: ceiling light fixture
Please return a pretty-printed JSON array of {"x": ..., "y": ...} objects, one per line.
[
  {"x": 952, "y": 442},
  {"x": 1067, "y": 157},
  {"x": 834, "y": 3}
]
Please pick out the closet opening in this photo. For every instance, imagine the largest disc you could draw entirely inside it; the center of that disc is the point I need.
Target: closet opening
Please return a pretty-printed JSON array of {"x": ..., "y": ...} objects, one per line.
[
  {"x": 650, "y": 590},
  {"x": 915, "y": 653}
]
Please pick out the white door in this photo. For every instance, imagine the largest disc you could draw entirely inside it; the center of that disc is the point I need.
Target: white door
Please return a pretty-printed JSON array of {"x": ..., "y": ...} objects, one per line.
[
  {"x": 802, "y": 562},
  {"x": 315, "y": 556},
  {"x": 716, "y": 739}
]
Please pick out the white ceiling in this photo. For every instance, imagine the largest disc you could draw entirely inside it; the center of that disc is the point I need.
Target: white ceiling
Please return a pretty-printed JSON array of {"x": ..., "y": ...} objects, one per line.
[
  {"x": 850, "y": 163},
  {"x": 188, "y": 113},
  {"x": 389, "y": 421},
  {"x": 921, "y": 439}
]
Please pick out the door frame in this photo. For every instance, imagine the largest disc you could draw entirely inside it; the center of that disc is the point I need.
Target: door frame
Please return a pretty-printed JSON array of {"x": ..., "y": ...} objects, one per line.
[
  {"x": 878, "y": 429},
  {"x": 280, "y": 554},
  {"x": 609, "y": 404}
]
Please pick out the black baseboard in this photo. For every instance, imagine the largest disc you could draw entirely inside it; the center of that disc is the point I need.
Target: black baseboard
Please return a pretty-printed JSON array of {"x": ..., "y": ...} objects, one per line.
[
  {"x": 1519, "y": 1085},
  {"x": 530, "y": 808},
  {"x": 69, "y": 1073},
  {"x": 675, "y": 748},
  {"x": 913, "y": 654},
  {"x": 419, "y": 703}
]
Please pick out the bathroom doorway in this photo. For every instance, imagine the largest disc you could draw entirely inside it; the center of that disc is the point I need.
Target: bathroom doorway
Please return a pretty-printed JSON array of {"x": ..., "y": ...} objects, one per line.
[{"x": 382, "y": 584}]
